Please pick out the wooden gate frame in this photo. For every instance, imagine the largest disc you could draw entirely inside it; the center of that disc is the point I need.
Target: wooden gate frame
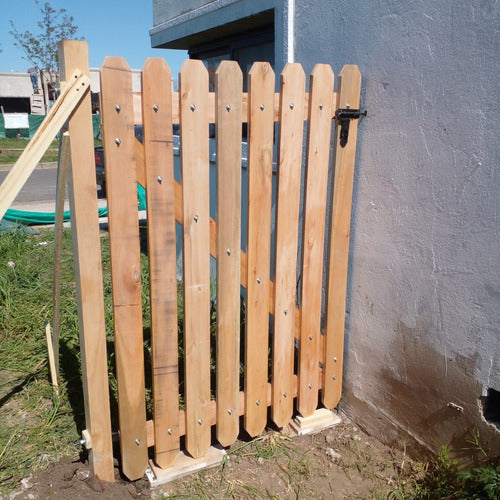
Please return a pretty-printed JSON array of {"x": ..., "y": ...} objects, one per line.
[{"x": 321, "y": 352}]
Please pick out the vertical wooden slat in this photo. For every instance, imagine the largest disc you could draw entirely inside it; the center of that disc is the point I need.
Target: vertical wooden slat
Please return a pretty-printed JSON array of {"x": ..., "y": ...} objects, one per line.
[
  {"x": 348, "y": 93},
  {"x": 159, "y": 164},
  {"x": 118, "y": 141},
  {"x": 287, "y": 219},
  {"x": 318, "y": 155},
  {"x": 260, "y": 169},
  {"x": 87, "y": 258},
  {"x": 228, "y": 90},
  {"x": 193, "y": 96}
]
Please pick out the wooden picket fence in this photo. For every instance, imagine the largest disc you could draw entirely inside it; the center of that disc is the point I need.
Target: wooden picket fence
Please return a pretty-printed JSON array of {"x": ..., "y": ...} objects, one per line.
[{"x": 305, "y": 359}]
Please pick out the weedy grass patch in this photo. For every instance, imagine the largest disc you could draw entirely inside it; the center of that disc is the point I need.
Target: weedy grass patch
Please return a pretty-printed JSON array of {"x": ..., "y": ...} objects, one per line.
[{"x": 12, "y": 148}]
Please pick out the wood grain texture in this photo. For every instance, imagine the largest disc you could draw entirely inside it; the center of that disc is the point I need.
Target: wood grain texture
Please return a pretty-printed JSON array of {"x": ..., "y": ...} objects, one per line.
[
  {"x": 87, "y": 259},
  {"x": 287, "y": 220},
  {"x": 316, "y": 178},
  {"x": 118, "y": 142},
  {"x": 260, "y": 170},
  {"x": 228, "y": 89},
  {"x": 159, "y": 165},
  {"x": 348, "y": 93},
  {"x": 193, "y": 96}
]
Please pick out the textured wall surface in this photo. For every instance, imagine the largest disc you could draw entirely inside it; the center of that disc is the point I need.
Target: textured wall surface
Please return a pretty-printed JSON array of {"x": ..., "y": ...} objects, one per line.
[{"x": 423, "y": 322}]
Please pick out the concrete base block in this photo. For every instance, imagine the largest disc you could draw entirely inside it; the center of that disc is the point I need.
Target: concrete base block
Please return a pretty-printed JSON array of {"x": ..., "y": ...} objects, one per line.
[
  {"x": 184, "y": 465},
  {"x": 319, "y": 420}
]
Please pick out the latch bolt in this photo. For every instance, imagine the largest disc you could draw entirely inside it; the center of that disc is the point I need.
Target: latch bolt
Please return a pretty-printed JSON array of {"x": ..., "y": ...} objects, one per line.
[{"x": 344, "y": 116}]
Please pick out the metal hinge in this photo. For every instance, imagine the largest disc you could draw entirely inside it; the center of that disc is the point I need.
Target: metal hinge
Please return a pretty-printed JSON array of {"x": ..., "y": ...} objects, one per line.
[{"x": 344, "y": 116}]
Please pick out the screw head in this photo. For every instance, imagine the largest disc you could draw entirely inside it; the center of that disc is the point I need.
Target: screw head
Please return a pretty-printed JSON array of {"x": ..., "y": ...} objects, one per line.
[
  {"x": 285, "y": 312},
  {"x": 285, "y": 394},
  {"x": 320, "y": 105},
  {"x": 118, "y": 108},
  {"x": 200, "y": 421},
  {"x": 259, "y": 281},
  {"x": 118, "y": 141},
  {"x": 334, "y": 377},
  {"x": 196, "y": 218},
  {"x": 159, "y": 179},
  {"x": 262, "y": 107},
  {"x": 310, "y": 337},
  {"x": 228, "y": 107},
  {"x": 228, "y": 251},
  {"x": 310, "y": 386},
  {"x": 155, "y": 108},
  {"x": 257, "y": 402},
  {"x": 169, "y": 432},
  {"x": 192, "y": 107},
  {"x": 137, "y": 441},
  {"x": 230, "y": 412},
  {"x": 335, "y": 359},
  {"x": 292, "y": 105}
]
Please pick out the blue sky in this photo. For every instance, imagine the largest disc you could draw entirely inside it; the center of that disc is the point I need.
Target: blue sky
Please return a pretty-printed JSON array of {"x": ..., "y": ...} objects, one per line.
[{"x": 111, "y": 28}]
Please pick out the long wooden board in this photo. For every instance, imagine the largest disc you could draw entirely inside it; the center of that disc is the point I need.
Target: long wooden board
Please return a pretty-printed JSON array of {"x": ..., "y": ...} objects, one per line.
[
  {"x": 260, "y": 171},
  {"x": 287, "y": 220},
  {"x": 159, "y": 164},
  {"x": 118, "y": 142},
  {"x": 228, "y": 89},
  {"x": 348, "y": 95},
  {"x": 87, "y": 258},
  {"x": 316, "y": 178},
  {"x": 193, "y": 96}
]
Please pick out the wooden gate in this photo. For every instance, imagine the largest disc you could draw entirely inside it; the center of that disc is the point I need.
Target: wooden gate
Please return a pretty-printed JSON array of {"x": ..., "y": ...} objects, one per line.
[{"x": 284, "y": 354}]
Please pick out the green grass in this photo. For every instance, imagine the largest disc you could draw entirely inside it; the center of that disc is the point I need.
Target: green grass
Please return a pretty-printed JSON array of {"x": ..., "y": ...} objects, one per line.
[{"x": 11, "y": 149}]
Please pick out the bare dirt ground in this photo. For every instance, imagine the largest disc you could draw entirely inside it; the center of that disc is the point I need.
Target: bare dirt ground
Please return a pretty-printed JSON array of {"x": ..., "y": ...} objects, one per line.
[{"x": 341, "y": 462}]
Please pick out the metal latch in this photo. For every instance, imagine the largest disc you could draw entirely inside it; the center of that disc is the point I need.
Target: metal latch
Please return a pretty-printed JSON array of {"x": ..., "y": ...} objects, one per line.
[{"x": 344, "y": 116}]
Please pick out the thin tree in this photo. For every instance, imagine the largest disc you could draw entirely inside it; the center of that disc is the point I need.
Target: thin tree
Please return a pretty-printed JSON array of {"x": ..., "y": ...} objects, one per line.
[{"x": 40, "y": 47}]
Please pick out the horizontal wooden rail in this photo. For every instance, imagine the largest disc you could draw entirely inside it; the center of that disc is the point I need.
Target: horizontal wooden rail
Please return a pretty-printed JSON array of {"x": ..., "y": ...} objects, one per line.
[{"x": 211, "y": 107}]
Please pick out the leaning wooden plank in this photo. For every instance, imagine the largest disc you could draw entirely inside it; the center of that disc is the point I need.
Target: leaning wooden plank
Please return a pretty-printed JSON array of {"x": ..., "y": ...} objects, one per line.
[
  {"x": 228, "y": 88},
  {"x": 348, "y": 92},
  {"x": 159, "y": 162},
  {"x": 87, "y": 259},
  {"x": 260, "y": 178},
  {"x": 74, "y": 91},
  {"x": 118, "y": 142},
  {"x": 62, "y": 179},
  {"x": 318, "y": 156},
  {"x": 287, "y": 221},
  {"x": 193, "y": 83}
]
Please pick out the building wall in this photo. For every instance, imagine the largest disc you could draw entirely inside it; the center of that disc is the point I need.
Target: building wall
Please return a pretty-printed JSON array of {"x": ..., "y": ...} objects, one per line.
[
  {"x": 15, "y": 85},
  {"x": 423, "y": 312}
]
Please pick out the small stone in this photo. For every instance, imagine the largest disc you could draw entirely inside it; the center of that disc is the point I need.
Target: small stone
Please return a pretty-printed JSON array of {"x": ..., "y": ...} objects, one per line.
[
  {"x": 260, "y": 460},
  {"x": 333, "y": 455},
  {"x": 330, "y": 436},
  {"x": 26, "y": 483},
  {"x": 82, "y": 474}
]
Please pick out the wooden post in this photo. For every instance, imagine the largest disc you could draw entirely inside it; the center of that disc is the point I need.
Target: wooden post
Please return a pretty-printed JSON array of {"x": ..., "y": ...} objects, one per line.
[
  {"x": 348, "y": 93},
  {"x": 119, "y": 146},
  {"x": 159, "y": 163},
  {"x": 228, "y": 89},
  {"x": 260, "y": 180},
  {"x": 193, "y": 97},
  {"x": 318, "y": 156},
  {"x": 87, "y": 259},
  {"x": 287, "y": 221}
]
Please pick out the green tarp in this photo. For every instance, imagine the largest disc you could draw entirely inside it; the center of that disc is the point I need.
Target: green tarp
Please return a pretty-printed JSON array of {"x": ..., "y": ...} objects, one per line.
[
  {"x": 40, "y": 218},
  {"x": 34, "y": 122}
]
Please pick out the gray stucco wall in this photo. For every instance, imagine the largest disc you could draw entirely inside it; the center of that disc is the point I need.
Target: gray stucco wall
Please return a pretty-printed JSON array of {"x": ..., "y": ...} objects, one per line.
[{"x": 423, "y": 322}]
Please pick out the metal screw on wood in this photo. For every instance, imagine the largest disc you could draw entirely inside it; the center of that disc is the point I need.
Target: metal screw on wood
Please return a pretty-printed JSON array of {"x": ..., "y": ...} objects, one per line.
[
  {"x": 155, "y": 108},
  {"x": 200, "y": 421},
  {"x": 335, "y": 360},
  {"x": 118, "y": 108},
  {"x": 262, "y": 107},
  {"x": 320, "y": 105},
  {"x": 137, "y": 441},
  {"x": 192, "y": 107},
  {"x": 310, "y": 386},
  {"x": 285, "y": 312},
  {"x": 285, "y": 394},
  {"x": 196, "y": 218},
  {"x": 347, "y": 105},
  {"x": 159, "y": 179},
  {"x": 257, "y": 402},
  {"x": 334, "y": 377},
  {"x": 230, "y": 411},
  {"x": 169, "y": 432},
  {"x": 292, "y": 105},
  {"x": 228, "y": 107},
  {"x": 228, "y": 251},
  {"x": 118, "y": 141},
  {"x": 310, "y": 337},
  {"x": 259, "y": 281}
]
